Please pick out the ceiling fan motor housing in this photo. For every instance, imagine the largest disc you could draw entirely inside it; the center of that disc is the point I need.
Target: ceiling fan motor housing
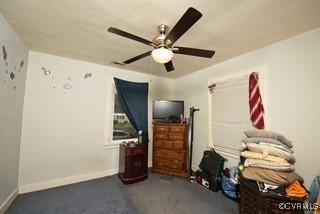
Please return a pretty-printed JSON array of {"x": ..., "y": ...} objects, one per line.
[{"x": 159, "y": 41}]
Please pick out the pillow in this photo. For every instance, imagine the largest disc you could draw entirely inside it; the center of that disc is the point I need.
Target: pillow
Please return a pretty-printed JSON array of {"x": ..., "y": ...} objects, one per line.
[
  {"x": 263, "y": 156},
  {"x": 278, "y": 146},
  {"x": 269, "y": 142},
  {"x": 269, "y": 134},
  {"x": 270, "y": 150}
]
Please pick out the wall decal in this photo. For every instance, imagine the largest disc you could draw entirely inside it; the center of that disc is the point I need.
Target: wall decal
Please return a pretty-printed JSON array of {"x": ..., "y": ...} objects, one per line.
[
  {"x": 87, "y": 75},
  {"x": 12, "y": 75},
  {"x": 67, "y": 86},
  {"x": 4, "y": 55},
  {"x": 21, "y": 65},
  {"x": 10, "y": 68},
  {"x": 59, "y": 79},
  {"x": 45, "y": 71}
]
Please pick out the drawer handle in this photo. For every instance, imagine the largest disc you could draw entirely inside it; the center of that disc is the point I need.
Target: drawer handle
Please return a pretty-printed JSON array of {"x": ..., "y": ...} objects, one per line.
[{"x": 137, "y": 163}]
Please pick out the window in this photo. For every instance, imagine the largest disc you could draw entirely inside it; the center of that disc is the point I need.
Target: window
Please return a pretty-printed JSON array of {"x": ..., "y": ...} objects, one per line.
[
  {"x": 229, "y": 111},
  {"x": 122, "y": 128}
]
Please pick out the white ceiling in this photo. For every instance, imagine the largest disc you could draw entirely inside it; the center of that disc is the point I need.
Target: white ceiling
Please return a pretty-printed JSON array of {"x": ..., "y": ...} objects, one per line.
[{"x": 78, "y": 28}]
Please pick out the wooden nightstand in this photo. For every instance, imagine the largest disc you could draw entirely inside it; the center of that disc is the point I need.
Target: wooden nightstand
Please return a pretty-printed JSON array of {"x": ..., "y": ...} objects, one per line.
[{"x": 133, "y": 163}]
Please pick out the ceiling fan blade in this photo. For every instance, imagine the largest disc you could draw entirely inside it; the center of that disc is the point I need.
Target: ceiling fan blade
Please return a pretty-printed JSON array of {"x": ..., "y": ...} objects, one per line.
[
  {"x": 137, "y": 57},
  {"x": 129, "y": 36},
  {"x": 194, "y": 52},
  {"x": 189, "y": 18},
  {"x": 169, "y": 66}
]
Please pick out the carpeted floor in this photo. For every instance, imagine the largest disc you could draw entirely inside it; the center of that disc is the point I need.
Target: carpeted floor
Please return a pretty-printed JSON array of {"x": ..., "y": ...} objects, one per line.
[{"x": 157, "y": 195}]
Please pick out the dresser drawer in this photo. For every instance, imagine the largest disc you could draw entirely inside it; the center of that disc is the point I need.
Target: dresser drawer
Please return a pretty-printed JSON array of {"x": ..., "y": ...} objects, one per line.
[
  {"x": 176, "y": 136},
  {"x": 163, "y": 144},
  {"x": 177, "y": 144},
  {"x": 138, "y": 149},
  {"x": 136, "y": 165},
  {"x": 167, "y": 164},
  {"x": 161, "y": 136},
  {"x": 178, "y": 129},
  {"x": 161, "y": 128},
  {"x": 169, "y": 154},
  {"x": 158, "y": 143}
]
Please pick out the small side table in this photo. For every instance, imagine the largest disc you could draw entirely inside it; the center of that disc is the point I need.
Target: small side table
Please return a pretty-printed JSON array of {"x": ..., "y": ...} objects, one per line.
[{"x": 133, "y": 163}]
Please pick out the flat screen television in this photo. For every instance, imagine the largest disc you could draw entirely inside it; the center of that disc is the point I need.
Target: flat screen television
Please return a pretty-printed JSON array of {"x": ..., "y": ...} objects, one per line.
[{"x": 167, "y": 110}]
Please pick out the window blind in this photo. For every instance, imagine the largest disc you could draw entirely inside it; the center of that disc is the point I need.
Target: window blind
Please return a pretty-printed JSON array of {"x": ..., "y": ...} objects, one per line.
[{"x": 230, "y": 114}]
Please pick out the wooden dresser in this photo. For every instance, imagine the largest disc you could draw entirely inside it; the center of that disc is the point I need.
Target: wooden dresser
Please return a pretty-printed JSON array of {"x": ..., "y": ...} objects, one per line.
[{"x": 170, "y": 149}]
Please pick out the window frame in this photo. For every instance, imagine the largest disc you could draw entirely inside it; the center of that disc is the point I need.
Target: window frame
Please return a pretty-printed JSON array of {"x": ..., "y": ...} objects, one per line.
[{"x": 110, "y": 143}]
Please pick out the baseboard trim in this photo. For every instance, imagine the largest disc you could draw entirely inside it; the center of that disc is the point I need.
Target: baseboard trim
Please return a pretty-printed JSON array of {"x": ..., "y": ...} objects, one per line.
[
  {"x": 64, "y": 181},
  {"x": 6, "y": 204}
]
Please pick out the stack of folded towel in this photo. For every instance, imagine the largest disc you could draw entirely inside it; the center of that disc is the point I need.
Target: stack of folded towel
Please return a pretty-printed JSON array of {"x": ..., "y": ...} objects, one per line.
[{"x": 269, "y": 158}]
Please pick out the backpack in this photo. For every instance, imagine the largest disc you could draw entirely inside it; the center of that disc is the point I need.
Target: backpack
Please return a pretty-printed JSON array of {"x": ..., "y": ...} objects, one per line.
[{"x": 212, "y": 164}]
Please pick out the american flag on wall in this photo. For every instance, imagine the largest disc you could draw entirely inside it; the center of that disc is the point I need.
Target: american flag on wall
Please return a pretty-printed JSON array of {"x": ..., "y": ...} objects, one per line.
[{"x": 255, "y": 102}]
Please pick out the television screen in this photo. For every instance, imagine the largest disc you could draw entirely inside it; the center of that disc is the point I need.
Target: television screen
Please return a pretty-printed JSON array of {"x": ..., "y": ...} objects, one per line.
[{"x": 165, "y": 109}]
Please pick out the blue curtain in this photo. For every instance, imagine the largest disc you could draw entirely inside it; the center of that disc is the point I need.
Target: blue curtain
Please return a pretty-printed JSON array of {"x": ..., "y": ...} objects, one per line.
[{"x": 133, "y": 98}]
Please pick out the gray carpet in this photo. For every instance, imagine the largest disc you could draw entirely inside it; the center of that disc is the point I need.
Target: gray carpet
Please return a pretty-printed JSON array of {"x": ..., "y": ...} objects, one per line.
[{"x": 158, "y": 194}]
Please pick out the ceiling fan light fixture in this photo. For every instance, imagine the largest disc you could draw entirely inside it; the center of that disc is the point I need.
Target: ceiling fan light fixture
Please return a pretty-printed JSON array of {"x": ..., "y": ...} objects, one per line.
[{"x": 162, "y": 55}]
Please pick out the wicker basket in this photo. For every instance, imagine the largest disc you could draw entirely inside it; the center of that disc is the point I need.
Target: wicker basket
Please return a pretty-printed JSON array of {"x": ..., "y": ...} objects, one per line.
[{"x": 252, "y": 201}]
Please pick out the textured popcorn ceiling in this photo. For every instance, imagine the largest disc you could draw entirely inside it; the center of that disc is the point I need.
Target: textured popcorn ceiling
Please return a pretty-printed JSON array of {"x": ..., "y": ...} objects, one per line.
[{"x": 78, "y": 28}]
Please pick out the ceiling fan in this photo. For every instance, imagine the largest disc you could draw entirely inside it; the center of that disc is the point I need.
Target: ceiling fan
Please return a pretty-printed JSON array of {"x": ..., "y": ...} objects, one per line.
[{"x": 163, "y": 44}]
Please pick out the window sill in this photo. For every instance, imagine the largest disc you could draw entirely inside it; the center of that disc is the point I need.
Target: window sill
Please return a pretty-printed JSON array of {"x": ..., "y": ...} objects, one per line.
[
  {"x": 115, "y": 144},
  {"x": 111, "y": 145}
]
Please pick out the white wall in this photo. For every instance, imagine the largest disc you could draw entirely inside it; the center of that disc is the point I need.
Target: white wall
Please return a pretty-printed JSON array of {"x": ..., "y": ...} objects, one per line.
[
  {"x": 11, "y": 106},
  {"x": 292, "y": 90},
  {"x": 64, "y": 130}
]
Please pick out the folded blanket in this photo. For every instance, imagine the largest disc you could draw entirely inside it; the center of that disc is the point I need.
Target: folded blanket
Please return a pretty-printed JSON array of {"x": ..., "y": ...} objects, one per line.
[
  {"x": 269, "y": 142},
  {"x": 270, "y": 176},
  {"x": 263, "y": 156},
  {"x": 283, "y": 167},
  {"x": 271, "y": 150},
  {"x": 268, "y": 134}
]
